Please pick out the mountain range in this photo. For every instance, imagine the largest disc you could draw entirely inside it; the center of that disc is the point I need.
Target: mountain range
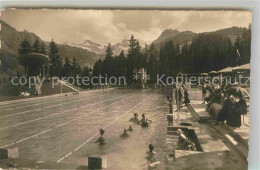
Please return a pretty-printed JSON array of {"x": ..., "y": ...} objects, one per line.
[
  {"x": 101, "y": 49},
  {"x": 88, "y": 52},
  {"x": 11, "y": 39},
  {"x": 169, "y": 34}
]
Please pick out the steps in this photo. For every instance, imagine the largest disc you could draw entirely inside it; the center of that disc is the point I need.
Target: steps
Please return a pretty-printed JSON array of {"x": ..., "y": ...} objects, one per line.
[
  {"x": 202, "y": 116},
  {"x": 231, "y": 139}
]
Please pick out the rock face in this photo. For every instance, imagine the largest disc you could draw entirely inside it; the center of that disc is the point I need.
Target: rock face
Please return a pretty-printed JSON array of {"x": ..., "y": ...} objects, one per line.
[{"x": 166, "y": 34}]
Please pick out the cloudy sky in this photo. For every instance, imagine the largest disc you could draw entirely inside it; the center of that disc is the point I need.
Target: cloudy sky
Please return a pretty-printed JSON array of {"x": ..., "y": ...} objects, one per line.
[{"x": 103, "y": 26}]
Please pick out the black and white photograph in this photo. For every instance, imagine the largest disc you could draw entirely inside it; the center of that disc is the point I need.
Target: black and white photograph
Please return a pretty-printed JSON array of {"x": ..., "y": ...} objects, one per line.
[{"x": 125, "y": 88}]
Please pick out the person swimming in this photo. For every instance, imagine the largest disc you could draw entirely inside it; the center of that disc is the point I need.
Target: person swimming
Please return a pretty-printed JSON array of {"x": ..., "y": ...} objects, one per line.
[
  {"x": 101, "y": 139},
  {"x": 130, "y": 128},
  {"x": 144, "y": 121},
  {"x": 151, "y": 148},
  {"x": 124, "y": 135},
  {"x": 135, "y": 118},
  {"x": 151, "y": 153}
]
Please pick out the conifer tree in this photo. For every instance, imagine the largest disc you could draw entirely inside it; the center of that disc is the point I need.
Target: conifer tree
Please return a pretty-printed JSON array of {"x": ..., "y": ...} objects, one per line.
[
  {"x": 43, "y": 49},
  {"x": 35, "y": 47},
  {"x": 120, "y": 64},
  {"x": 25, "y": 47},
  {"x": 86, "y": 71},
  {"x": 97, "y": 69},
  {"x": 153, "y": 64},
  {"x": 55, "y": 60},
  {"x": 107, "y": 67},
  {"x": 132, "y": 45},
  {"x": 66, "y": 68}
]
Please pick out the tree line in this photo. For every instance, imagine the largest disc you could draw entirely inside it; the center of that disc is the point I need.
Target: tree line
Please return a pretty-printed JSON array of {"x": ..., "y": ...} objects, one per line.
[{"x": 206, "y": 52}]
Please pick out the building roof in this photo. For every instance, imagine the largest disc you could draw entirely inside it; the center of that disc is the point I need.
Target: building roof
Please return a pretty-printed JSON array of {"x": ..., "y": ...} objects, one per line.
[{"x": 34, "y": 59}]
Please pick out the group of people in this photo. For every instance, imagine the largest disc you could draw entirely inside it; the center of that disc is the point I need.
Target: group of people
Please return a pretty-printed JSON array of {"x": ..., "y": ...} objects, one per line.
[
  {"x": 181, "y": 95},
  {"x": 225, "y": 103},
  {"x": 144, "y": 122},
  {"x": 101, "y": 139},
  {"x": 125, "y": 134}
]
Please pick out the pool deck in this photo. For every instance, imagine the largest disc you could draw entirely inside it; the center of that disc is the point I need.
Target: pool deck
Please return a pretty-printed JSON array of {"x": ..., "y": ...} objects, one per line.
[
  {"x": 217, "y": 152},
  {"x": 241, "y": 133}
]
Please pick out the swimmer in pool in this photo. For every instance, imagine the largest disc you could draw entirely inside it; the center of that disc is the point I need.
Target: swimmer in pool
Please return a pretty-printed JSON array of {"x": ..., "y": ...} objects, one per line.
[
  {"x": 135, "y": 118},
  {"x": 144, "y": 121},
  {"x": 130, "y": 128},
  {"x": 151, "y": 148},
  {"x": 101, "y": 139},
  {"x": 124, "y": 135},
  {"x": 151, "y": 154}
]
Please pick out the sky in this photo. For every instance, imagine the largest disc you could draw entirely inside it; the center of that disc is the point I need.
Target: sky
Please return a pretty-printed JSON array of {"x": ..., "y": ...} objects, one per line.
[{"x": 104, "y": 26}]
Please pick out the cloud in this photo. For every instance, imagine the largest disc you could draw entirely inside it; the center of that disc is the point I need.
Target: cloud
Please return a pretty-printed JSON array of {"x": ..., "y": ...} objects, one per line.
[{"x": 103, "y": 26}]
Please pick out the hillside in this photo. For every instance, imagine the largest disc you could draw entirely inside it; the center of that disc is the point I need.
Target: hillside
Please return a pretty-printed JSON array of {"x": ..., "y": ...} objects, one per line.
[
  {"x": 232, "y": 32},
  {"x": 11, "y": 39},
  {"x": 89, "y": 52},
  {"x": 182, "y": 37},
  {"x": 166, "y": 34}
]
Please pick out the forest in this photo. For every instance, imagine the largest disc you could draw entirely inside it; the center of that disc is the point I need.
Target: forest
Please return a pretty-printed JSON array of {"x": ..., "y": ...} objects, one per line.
[{"x": 205, "y": 53}]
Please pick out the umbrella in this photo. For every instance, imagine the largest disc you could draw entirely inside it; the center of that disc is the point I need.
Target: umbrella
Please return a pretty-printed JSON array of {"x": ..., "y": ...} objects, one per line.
[
  {"x": 212, "y": 72},
  {"x": 204, "y": 74},
  {"x": 238, "y": 91},
  {"x": 242, "y": 67},
  {"x": 225, "y": 70},
  {"x": 244, "y": 92}
]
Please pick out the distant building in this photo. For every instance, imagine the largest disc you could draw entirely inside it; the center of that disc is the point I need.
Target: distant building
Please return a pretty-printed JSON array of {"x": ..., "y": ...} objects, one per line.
[{"x": 140, "y": 77}]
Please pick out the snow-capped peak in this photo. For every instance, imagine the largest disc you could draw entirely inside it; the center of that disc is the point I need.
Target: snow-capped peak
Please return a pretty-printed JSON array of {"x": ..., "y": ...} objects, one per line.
[{"x": 101, "y": 49}]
